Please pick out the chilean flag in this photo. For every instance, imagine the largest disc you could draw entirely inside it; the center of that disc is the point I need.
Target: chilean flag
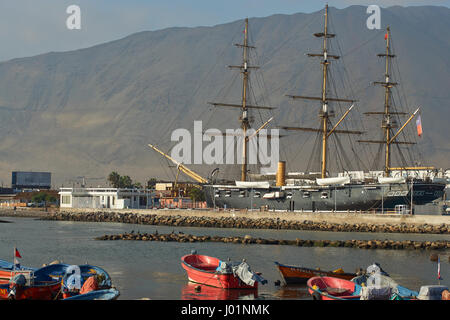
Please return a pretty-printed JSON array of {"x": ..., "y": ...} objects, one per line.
[
  {"x": 16, "y": 255},
  {"x": 419, "y": 126}
]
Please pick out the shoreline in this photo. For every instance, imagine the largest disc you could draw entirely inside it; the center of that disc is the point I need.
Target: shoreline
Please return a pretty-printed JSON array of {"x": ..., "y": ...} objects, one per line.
[
  {"x": 27, "y": 213},
  {"x": 336, "y": 222}
]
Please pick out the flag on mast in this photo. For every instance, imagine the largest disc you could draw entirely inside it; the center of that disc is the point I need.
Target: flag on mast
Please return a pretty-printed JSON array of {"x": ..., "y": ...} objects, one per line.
[
  {"x": 419, "y": 125},
  {"x": 16, "y": 255}
]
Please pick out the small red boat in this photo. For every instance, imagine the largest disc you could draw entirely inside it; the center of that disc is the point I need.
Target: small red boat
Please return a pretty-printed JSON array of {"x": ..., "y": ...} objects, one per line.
[
  {"x": 330, "y": 288},
  {"x": 212, "y": 272}
]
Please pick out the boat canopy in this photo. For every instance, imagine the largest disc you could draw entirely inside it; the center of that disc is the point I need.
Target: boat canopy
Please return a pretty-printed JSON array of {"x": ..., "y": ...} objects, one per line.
[
  {"x": 253, "y": 184},
  {"x": 331, "y": 181},
  {"x": 391, "y": 180}
]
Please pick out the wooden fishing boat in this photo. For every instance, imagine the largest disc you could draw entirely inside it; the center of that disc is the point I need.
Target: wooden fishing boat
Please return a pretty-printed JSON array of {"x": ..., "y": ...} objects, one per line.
[
  {"x": 60, "y": 272},
  {"x": 330, "y": 288},
  {"x": 297, "y": 274},
  {"x": 207, "y": 271},
  {"x": 63, "y": 273},
  {"x": 106, "y": 294}
]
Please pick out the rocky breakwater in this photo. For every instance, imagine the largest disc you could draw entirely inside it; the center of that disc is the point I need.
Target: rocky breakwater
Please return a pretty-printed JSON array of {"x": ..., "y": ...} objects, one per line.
[
  {"x": 244, "y": 222},
  {"x": 247, "y": 239}
]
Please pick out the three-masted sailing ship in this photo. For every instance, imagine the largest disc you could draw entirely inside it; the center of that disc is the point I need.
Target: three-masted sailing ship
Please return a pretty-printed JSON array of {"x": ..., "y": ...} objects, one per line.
[{"x": 324, "y": 193}]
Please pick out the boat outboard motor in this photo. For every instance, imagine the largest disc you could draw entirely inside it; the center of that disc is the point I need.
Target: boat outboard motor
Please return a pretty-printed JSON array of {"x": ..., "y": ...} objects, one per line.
[
  {"x": 16, "y": 285},
  {"x": 246, "y": 275},
  {"x": 377, "y": 266}
]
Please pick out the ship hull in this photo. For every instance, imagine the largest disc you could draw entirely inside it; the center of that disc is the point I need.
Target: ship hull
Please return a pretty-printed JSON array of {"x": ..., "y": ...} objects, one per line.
[{"x": 322, "y": 198}]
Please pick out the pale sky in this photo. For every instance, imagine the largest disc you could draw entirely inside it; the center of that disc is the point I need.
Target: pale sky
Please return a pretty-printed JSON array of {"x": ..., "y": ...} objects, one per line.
[{"x": 31, "y": 27}]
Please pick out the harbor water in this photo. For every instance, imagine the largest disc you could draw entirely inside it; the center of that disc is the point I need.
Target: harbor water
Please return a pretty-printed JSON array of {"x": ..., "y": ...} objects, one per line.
[{"x": 152, "y": 270}]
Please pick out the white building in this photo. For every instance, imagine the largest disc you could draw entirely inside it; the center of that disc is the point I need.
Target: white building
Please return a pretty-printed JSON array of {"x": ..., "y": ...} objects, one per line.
[{"x": 98, "y": 198}]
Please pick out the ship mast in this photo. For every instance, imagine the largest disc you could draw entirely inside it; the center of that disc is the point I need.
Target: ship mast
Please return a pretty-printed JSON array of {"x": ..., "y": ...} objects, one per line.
[
  {"x": 388, "y": 122},
  {"x": 325, "y": 114},
  {"x": 244, "y": 118}
]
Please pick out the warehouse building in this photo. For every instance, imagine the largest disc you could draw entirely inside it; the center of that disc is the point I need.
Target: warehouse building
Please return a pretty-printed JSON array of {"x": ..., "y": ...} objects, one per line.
[{"x": 31, "y": 180}]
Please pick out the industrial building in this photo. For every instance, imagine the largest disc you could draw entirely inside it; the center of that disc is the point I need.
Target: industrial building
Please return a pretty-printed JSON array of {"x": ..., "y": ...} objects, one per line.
[{"x": 31, "y": 180}]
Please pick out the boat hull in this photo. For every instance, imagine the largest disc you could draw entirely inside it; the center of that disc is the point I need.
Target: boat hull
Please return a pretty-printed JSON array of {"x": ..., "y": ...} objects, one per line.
[
  {"x": 44, "y": 291},
  {"x": 192, "y": 291},
  {"x": 354, "y": 197},
  {"x": 331, "y": 288},
  {"x": 106, "y": 294},
  {"x": 300, "y": 275},
  {"x": 202, "y": 270}
]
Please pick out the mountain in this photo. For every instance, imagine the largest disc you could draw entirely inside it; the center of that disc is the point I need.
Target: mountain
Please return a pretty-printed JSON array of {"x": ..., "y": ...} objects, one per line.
[{"x": 94, "y": 110}]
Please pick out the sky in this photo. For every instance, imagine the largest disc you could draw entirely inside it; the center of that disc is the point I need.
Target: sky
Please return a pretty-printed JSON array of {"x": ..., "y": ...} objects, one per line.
[{"x": 32, "y": 27}]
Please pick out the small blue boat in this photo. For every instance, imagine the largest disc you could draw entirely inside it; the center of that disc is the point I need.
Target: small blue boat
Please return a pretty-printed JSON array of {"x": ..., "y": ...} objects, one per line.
[
  {"x": 398, "y": 292},
  {"x": 60, "y": 271}
]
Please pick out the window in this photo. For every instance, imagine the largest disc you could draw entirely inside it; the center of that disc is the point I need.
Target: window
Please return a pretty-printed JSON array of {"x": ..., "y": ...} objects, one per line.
[{"x": 65, "y": 199}]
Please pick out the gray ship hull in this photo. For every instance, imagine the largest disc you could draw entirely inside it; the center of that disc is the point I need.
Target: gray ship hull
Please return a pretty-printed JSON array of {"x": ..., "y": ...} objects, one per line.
[{"x": 322, "y": 198}]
